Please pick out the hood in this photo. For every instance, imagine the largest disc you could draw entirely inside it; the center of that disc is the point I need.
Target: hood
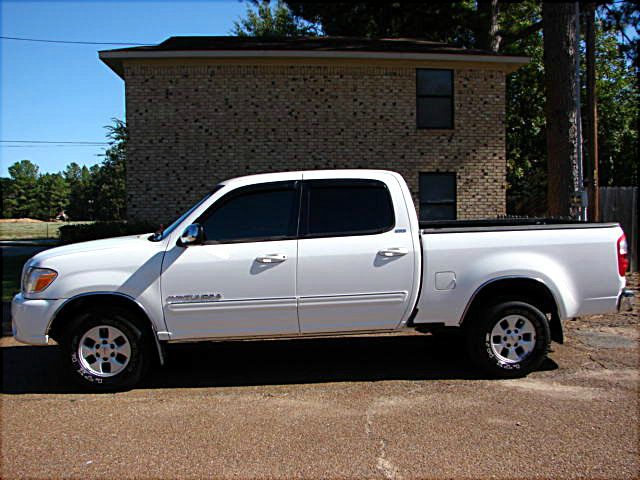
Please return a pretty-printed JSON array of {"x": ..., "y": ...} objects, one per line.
[
  {"x": 127, "y": 265},
  {"x": 94, "y": 245}
]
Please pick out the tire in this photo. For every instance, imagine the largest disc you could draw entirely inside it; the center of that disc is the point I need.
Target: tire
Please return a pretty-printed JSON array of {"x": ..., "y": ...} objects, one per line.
[
  {"x": 104, "y": 350},
  {"x": 509, "y": 339}
]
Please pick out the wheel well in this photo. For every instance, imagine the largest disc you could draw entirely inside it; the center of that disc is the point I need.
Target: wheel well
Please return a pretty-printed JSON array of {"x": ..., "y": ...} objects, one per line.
[
  {"x": 526, "y": 290},
  {"x": 78, "y": 304}
]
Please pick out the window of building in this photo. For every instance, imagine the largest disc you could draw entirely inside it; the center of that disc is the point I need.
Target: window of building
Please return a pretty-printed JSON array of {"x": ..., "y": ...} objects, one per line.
[
  {"x": 434, "y": 102},
  {"x": 257, "y": 213},
  {"x": 437, "y": 196},
  {"x": 346, "y": 207}
]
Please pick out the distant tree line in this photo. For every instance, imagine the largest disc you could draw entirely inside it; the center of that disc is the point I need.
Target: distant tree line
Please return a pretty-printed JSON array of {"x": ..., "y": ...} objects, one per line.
[{"x": 94, "y": 193}]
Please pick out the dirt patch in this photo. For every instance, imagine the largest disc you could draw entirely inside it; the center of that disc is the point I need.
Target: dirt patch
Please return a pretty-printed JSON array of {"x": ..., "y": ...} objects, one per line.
[
  {"x": 623, "y": 375},
  {"x": 555, "y": 390},
  {"x": 606, "y": 340},
  {"x": 20, "y": 220}
]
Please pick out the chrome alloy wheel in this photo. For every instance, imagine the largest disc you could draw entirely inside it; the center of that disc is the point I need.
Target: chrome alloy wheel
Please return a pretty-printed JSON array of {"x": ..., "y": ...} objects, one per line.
[
  {"x": 104, "y": 351},
  {"x": 513, "y": 338}
]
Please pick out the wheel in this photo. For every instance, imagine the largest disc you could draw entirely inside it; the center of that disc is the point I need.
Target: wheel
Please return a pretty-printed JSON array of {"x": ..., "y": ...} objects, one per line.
[
  {"x": 105, "y": 351},
  {"x": 509, "y": 340}
]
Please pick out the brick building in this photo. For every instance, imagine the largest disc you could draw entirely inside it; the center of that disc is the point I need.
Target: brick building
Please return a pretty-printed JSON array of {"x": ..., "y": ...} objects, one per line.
[{"x": 202, "y": 109}]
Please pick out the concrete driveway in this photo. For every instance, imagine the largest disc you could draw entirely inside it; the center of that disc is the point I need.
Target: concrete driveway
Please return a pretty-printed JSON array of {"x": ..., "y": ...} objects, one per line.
[{"x": 384, "y": 407}]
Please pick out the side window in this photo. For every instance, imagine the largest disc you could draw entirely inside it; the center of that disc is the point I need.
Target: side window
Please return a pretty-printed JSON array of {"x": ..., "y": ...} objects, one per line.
[
  {"x": 437, "y": 196},
  {"x": 257, "y": 213},
  {"x": 434, "y": 102},
  {"x": 346, "y": 207}
]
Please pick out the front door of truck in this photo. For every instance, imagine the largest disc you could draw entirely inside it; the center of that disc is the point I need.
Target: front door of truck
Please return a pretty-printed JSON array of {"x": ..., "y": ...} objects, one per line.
[
  {"x": 355, "y": 255},
  {"x": 241, "y": 281}
]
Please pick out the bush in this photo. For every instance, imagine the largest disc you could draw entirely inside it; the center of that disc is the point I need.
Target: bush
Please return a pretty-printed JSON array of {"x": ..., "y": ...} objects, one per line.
[{"x": 97, "y": 230}]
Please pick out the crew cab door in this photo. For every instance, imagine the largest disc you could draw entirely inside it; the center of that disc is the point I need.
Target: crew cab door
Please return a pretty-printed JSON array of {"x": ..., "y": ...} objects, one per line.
[
  {"x": 355, "y": 255},
  {"x": 241, "y": 281}
]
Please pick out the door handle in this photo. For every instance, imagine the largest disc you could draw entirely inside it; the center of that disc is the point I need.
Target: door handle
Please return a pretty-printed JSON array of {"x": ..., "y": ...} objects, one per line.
[
  {"x": 272, "y": 258},
  {"x": 393, "y": 252}
]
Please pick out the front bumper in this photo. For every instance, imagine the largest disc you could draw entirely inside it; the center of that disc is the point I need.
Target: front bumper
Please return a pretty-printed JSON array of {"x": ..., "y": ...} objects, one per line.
[
  {"x": 30, "y": 319},
  {"x": 625, "y": 300}
]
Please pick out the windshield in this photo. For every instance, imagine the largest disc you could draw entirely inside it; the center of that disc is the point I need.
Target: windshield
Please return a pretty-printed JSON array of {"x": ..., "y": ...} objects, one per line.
[{"x": 156, "y": 237}]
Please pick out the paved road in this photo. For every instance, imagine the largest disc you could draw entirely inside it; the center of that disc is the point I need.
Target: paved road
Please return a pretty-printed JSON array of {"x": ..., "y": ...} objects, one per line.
[{"x": 386, "y": 407}]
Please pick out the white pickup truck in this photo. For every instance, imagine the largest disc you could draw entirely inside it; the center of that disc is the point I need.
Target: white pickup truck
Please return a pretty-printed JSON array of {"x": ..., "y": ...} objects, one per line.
[{"x": 317, "y": 253}]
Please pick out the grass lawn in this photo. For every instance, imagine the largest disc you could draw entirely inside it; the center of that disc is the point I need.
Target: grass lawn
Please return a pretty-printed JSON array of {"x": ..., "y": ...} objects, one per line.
[{"x": 31, "y": 230}]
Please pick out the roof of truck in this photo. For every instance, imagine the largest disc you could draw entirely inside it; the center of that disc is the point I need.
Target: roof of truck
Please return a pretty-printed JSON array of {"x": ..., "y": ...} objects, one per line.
[{"x": 300, "y": 174}]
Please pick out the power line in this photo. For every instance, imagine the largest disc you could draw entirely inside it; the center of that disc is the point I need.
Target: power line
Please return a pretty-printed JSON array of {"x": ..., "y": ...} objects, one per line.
[
  {"x": 72, "y": 42},
  {"x": 52, "y": 142},
  {"x": 48, "y": 146}
]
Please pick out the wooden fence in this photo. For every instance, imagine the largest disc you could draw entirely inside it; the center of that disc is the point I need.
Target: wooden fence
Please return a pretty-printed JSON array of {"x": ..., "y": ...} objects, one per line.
[{"x": 620, "y": 204}]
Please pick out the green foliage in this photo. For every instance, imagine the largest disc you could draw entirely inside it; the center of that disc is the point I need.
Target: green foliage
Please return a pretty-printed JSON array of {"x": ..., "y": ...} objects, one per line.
[
  {"x": 52, "y": 194},
  {"x": 96, "y": 193},
  {"x": 618, "y": 112},
  {"x": 525, "y": 119},
  {"x": 80, "y": 181},
  {"x": 451, "y": 22},
  {"x": 623, "y": 18},
  {"x": 20, "y": 195},
  {"x": 266, "y": 21},
  {"x": 97, "y": 230},
  {"x": 109, "y": 185}
]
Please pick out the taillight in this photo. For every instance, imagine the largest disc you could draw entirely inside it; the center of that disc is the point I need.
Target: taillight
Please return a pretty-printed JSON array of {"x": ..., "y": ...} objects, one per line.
[{"x": 623, "y": 259}]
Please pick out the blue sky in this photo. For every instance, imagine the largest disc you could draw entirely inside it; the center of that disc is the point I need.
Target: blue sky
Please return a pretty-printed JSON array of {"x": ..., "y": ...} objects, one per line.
[{"x": 59, "y": 92}]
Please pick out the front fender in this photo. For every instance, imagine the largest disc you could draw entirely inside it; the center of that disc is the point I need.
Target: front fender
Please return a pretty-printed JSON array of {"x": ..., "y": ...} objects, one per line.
[{"x": 133, "y": 272}]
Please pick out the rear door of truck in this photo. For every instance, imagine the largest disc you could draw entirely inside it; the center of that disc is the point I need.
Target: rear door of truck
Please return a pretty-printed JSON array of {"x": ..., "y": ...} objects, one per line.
[{"x": 356, "y": 258}]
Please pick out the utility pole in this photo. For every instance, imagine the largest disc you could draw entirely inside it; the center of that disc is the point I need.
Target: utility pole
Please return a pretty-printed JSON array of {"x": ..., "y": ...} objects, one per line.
[{"x": 591, "y": 177}]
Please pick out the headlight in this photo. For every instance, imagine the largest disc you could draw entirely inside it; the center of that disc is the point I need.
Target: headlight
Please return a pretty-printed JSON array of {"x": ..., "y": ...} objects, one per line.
[{"x": 37, "y": 280}]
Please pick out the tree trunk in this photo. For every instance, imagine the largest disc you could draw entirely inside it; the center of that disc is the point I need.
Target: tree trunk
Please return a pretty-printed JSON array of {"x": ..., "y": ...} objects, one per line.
[
  {"x": 560, "y": 108},
  {"x": 591, "y": 172},
  {"x": 487, "y": 33}
]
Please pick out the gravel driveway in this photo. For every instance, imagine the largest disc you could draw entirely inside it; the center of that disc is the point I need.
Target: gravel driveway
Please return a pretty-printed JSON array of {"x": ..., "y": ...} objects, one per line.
[{"x": 400, "y": 406}]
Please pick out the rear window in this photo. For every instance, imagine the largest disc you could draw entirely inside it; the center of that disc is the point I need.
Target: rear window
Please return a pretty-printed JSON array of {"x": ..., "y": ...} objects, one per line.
[{"x": 346, "y": 207}]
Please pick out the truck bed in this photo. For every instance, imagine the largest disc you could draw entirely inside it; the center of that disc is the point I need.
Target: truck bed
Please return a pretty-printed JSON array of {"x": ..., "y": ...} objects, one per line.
[{"x": 578, "y": 266}]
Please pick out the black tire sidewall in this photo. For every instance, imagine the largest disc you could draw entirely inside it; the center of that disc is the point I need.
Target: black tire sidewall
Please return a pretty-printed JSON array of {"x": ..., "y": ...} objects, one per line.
[
  {"x": 134, "y": 370},
  {"x": 479, "y": 339}
]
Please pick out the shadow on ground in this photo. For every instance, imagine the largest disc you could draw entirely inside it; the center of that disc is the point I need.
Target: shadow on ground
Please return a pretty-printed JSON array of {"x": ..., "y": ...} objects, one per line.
[{"x": 274, "y": 362}]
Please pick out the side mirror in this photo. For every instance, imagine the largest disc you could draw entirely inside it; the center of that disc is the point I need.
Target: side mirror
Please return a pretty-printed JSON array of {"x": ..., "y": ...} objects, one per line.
[{"x": 192, "y": 235}]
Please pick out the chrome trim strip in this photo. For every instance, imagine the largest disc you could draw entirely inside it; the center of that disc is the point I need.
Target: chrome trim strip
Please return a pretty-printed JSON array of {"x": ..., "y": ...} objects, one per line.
[
  {"x": 352, "y": 295},
  {"x": 394, "y": 297}
]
